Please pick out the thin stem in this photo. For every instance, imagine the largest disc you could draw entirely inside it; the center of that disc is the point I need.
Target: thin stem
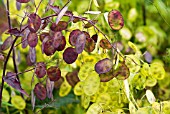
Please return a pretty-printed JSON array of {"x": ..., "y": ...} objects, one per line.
[
  {"x": 4, "y": 69},
  {"x": 38, "y": 6},
  {"x": 16, "y": 68},
  {"x": 8, "y": 14},
  {"x": 144, "y": 14}
]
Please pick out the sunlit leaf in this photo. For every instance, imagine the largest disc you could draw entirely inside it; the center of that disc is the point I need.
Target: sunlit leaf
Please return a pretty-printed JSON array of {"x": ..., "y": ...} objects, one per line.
[
  {"x": 65, "y": 88},
  {"x": 18, "y": 102},
  {"x": 95, "y": 108},
  {"x": 85, "y": 101},
  {"x": 91, "y": 84},
  {"x": 78, "y": 88},
  {"x": 96, "y": 3},
  {"x": 163, "y": 10},
  {"x": 115, "y": 20}
]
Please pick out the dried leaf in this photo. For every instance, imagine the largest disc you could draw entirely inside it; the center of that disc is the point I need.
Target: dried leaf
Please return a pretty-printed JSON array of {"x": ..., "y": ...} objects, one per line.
[
  {"x": 49, "y": 87},
  {"x": 60, "y": 15},
  {"x": 11, "y": 80},
  {"x": 32, "y": 54},
  {"x": 7, "y": 43}
]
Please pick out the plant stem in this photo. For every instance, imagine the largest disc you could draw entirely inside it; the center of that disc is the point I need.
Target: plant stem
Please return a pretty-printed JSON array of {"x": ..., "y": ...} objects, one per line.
[{"x": 4, "y": 69}]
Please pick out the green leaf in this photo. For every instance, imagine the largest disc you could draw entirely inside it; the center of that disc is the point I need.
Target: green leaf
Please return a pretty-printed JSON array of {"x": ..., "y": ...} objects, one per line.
[{"x": 162, "y": 9}]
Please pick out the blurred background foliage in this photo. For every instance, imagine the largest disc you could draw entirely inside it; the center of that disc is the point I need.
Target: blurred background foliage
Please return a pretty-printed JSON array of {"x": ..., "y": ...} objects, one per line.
[{"x": 144, "y": 26}]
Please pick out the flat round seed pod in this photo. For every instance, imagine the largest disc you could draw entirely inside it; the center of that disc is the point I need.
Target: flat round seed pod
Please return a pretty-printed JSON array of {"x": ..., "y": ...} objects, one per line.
[
  {"x": 32, "y": 39},
  {"x": 40, "y": 91},
  {"x": 58, "y": 83},
  {"x": 85, "y": 70},
  {"x": 72, "y": 78},
  {"x": 54, "y": 73},
  {"x": 91, "y": 84},
  {"x": 122, "y": 72},
  {"x": 34, "y": 22},
  {"x": 90, "y": 45},
  {"x": 65, "y": 88},
  {"x": 73, "y": 36},
  {"x": 105, "y": 77},
  {"x": 40, "y": 69},
  {"x": 62, "y": 25},
  {"x": 115, "y": 20},
  {"x": 80, "y": 43},
  {"x": 62, "y": 44},
  {"x": 70, "y": 55},
  {"x": 103, "y": 66},
  {"x": 48, "y": 47},
  {"x": 105, "y": 44},
  {"x": 78, "y": 88}
]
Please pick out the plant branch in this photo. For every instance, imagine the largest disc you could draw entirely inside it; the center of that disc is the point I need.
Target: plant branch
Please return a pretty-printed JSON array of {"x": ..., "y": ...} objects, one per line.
[{"x": 4, "y": 69}]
